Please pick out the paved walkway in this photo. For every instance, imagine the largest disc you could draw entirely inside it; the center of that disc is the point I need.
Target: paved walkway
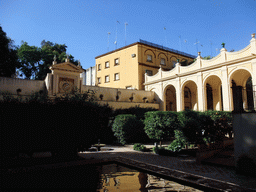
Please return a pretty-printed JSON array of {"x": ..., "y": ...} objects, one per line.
[{"x": 183, "y": 164}]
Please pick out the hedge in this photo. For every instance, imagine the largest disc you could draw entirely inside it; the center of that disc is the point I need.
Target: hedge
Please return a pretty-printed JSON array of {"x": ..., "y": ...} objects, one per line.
[
  {"x": 128, "y": 129},
  {"x": 160, "y": 125}
]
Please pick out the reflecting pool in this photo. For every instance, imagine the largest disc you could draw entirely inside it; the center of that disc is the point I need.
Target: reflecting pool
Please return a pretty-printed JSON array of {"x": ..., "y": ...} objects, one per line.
[
  {"x": 90, "y": 177},
  {"x": 115, "y": 177}
]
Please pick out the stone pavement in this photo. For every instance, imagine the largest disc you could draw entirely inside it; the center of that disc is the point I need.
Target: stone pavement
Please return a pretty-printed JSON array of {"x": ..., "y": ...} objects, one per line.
[{"x": 184, "y": 165}]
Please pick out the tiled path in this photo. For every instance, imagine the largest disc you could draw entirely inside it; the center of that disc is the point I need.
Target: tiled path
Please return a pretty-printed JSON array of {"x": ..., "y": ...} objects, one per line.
[{"x": 187, "y": 165}]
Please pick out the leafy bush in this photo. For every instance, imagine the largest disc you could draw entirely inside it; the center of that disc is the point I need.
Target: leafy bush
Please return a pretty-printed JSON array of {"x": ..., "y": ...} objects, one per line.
[
  {"x": 139, "y": 112},
  {"x": 222, "y": 125},
  {"x": 178, "y": 143},
  {"x": 61, "y": 126},
  {"x": 139, "y": 147},
  {"x": 128, "y": 129},
  {"x": 158, "y": 150},
  {"x": 191, "y": 126},
  {"x": 160, "y": 125}
]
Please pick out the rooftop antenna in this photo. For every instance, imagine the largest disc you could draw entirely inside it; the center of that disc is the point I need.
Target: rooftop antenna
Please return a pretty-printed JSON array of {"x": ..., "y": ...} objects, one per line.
[
  {"x": 185, "y": 41},
  {"x": 108, "y": 40},
  {"x": 180, "y": 42},
  {"x": 125, "y": 31},
  {"x": 196, "y": 43},
  {"x": 217, "y": 51},
  {"x": 165, "y": 36},
  {"x": 211, "y": 48},
  {"x": 116, "y": 34}
]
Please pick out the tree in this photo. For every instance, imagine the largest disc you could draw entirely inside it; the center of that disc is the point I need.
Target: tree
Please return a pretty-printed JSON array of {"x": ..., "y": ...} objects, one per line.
[
  {"x": 37, "y": 60},
  {"x": 160, "y": 125},
  {"x": 49, "y": 50},
  {"x": 8, "y": 56},
  {"x": 30, "y": 57},
  {"x": 207, "y": 57}
]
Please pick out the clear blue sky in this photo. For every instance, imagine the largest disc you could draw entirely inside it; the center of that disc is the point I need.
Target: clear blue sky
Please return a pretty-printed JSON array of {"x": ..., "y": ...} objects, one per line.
[{"x": 83, "y": 25}]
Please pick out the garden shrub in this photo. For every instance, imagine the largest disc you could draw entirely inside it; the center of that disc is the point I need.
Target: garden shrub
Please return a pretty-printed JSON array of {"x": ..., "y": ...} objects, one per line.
[
  {"x": 222, "y": 125},
  {"x": 158, "y": 150},
  {"x": 139, "y": 112},
  {"x": 191, "y": 125},
  {"x": 139, "y": 147},
  {"x": 160, "y": 125},
  {"x": 62, "y": 126},
  {"x": 128, "y": 129},
  {"x": 178, "y": 143}
]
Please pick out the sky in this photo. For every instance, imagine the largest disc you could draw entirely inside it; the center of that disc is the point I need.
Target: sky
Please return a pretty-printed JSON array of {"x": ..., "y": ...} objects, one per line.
[{"x": 83, "y": 25}]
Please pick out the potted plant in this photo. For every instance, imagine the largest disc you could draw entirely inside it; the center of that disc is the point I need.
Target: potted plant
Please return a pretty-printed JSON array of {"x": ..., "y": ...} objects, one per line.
[
  {"x": 18, "y": 91},
  {"x": 101, "y": 97},
  {"x": 131, "y": 98}
]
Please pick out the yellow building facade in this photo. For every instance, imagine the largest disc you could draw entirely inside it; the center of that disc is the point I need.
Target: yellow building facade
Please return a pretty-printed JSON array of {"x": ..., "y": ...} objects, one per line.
[{"x": 126, "y": 67}]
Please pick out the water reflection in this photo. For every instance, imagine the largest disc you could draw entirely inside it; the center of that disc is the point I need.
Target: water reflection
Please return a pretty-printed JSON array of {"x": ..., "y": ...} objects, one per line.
[{"x": 119, "y": 178}]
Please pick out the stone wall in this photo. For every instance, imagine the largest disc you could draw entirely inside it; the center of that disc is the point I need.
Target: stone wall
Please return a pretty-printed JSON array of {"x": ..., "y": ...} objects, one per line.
[
  {"x": 109, "y": 94},
  {"x": 27, "y": 87}
]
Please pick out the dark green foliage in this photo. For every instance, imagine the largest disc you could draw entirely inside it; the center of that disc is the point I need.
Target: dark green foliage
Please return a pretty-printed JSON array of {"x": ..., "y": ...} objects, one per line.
[
  {"x": 191, "y": 126},
  {"x": 128, "y": 129},
  {"x": 222, "y": 125},
  {"x": 160, "y": 125},
  {"x": 178, "y": 143},
  {"x": 61, "y": 127},
  {"x": 137, "y": 111},
  {"x": 139, "y": 147},
  {"x": 8, "y": 56},
  {"x": 30, "y": 57},
  {"x": 35, "y": 61}
]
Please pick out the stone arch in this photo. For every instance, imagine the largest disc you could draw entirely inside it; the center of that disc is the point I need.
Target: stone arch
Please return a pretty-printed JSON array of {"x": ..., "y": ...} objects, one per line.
[
  {"x": 170, "y": 101},
  {"x": 173, "y": 60},
  {"x": 162, "y": 54},
  {"x": 189, "y": 93},
  {"x": 150, "y": 50},
  {"x": 213, "y": 93},
  {"x": 241, "y": 95}
]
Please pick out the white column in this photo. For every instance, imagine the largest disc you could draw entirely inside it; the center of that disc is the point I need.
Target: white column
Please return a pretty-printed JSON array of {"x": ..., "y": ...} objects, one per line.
[
  {"x": 254, "y": 81},
  {"x": 161, "y": 94},
  {"x": 200, "y": 92},
  {"x": 226, "y": 90},
  {"x": 179, "y": 99}
]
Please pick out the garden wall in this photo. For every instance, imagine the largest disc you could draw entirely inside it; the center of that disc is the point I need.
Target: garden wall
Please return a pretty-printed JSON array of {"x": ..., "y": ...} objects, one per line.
[{"x": 244, "y": 125}]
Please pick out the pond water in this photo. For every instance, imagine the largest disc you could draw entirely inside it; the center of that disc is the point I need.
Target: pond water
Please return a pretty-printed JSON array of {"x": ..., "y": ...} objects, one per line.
[
  {"x": 101, "y": 178},
  {"x": 116, "y": 177}
]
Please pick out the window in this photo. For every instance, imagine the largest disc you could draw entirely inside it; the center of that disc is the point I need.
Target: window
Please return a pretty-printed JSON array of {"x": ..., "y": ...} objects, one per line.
[
  {"x": 99, "y": 80},
  {"x": 106, "y": 78},
  {"x": 162, "y": 61},
  {"x": 174, "y": 63},
  {"x": 128, "y": 87},
  {"x": 99, "y": 67},
  {"x": 107, "y": 64},
  {"x": 116, "y": 61},
  {"x": 149, "y": 72},
  {"x": 149, "y": 58},
  {"x": 116, "y": 76}
]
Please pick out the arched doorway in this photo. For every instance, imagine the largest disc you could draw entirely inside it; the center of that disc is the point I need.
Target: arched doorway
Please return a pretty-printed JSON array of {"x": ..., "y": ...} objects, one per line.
[
  {"x": 189, "y": 95},
  {"x": 213, "y": 93},
  {"x": 170, "y": 98},
  {"x": 249, "y": 93},
  {"x": 209, "y": 97},
  {"x": 241, "y": 89}
]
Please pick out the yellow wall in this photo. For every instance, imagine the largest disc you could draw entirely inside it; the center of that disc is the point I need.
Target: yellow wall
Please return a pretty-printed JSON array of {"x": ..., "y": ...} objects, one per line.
[
  {"x": 127, "y": 68},
  {"x": 132, "y": 69}
]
